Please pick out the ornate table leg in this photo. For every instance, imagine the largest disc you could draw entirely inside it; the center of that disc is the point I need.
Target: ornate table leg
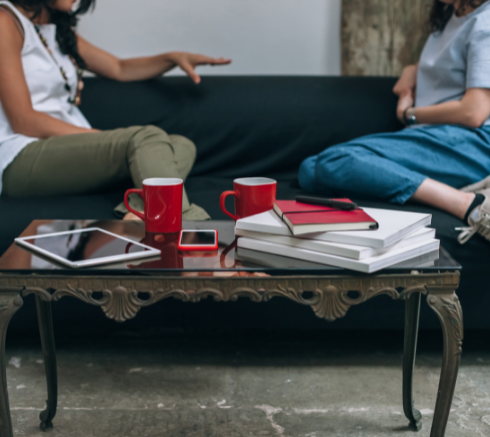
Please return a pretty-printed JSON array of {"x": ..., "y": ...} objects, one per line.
[
  {"x": 412, "y": 313},
  {"x": 10, "y": 302},
  {"x": 46, "y": 331},
  {"x": 446, "y": 305}
]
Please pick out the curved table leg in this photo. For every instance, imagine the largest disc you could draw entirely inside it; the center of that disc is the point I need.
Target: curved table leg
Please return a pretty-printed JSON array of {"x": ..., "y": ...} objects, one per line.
[
  {"x": 412, "y": 314},
  {"x": 446, "y": 305},
  {"x": 10, "y": 302},
  {"x": 46, "y": 331}
]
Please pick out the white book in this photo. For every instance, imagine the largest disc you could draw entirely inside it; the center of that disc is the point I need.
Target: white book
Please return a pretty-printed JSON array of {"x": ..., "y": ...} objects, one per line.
[
  {"x": 253, "y": 258},
  {"x": 346, "y": 250},
  {"x": 394, "y": 226},
  {"x": 368, "y": 265}
]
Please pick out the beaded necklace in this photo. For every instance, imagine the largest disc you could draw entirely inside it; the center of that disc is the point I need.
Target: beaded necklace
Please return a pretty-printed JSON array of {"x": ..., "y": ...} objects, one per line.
[{"x": 77, "y": 100}]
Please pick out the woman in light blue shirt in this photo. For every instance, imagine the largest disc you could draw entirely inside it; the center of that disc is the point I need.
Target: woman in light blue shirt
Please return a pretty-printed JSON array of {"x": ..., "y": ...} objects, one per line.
[{"x": 445, "y": 103}]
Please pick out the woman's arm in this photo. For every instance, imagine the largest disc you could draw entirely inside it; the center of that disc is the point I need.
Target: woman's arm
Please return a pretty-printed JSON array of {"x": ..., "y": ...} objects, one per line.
[
  {"x": 14, "y": 93},
  {"x": 104, "y": 64},
  {"x": 407, "y": 82},
  {"x": 471, "y": 111}
]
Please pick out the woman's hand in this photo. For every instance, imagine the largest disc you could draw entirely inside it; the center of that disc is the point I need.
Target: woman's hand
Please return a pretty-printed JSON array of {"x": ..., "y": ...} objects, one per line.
[
  {"x": 405, "y": 90},
  {"x": 405, "y": 101},
  {"x": 407, "y": 81},
  {"x": 106, "y": 65},
  {"x": 189, "y": 61}
]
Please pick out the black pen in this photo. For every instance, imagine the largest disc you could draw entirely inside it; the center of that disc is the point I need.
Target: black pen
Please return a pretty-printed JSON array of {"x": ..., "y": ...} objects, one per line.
[{"x": 347, "y": 206}]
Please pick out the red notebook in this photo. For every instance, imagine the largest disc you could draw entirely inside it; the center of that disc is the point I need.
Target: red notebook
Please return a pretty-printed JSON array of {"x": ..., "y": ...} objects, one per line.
[{"x": 303, "y": 218}]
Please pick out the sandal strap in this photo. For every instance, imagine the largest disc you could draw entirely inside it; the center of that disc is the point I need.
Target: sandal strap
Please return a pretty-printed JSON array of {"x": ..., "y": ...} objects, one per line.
[{"x": 481, "y": 226}]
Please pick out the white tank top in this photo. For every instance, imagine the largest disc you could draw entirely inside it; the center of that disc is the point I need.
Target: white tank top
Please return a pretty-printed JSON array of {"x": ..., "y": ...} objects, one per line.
[{"x": 46, "y": 85}]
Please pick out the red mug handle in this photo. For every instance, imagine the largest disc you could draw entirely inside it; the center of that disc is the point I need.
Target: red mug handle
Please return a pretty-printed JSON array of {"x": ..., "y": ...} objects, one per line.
[
  {"x": 225, "y": 252},
  {"x": 222, "y": 203},
  {"x": 126, "y": 197},
  {"x": 128, "y": 246}
]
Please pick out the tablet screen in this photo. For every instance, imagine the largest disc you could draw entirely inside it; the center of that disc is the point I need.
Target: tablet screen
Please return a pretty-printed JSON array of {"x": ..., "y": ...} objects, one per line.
[{"x": 86, "y": 245}]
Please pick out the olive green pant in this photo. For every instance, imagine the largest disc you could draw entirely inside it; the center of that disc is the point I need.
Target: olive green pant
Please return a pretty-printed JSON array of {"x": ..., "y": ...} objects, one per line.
[{"x": 86, "y": 163}]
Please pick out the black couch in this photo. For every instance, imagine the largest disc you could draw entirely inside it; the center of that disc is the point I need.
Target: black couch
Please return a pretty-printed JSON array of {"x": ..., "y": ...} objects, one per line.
[{"x": 247, "y": 126}]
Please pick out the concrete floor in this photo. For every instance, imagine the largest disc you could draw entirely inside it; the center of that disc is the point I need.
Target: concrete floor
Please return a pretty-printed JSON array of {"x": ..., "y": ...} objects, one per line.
[{"x": 232, "y": 384}]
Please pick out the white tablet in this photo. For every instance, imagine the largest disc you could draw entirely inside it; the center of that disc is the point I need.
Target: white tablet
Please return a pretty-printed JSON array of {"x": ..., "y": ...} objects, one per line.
[{"x": 86, "y": 247}]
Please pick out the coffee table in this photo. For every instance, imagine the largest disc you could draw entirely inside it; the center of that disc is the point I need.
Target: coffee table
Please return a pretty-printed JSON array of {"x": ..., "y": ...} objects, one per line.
[{"x": 121, "y": 291}]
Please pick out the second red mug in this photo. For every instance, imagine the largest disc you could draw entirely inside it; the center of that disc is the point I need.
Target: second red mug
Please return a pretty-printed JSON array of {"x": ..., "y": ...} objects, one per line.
[
  {"x": 252, "y": 196},
  {"x": 163, "y": 204}
]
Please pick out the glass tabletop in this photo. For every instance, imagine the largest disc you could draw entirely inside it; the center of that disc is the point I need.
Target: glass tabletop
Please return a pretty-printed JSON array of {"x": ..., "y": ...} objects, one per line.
[{"x": 227, "y": 261}]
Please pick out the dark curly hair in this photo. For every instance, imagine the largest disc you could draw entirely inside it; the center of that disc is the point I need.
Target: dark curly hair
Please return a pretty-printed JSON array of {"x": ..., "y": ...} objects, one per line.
[
  {"x": 66, "y": 22},
  {"x": 441, "y": 12}
]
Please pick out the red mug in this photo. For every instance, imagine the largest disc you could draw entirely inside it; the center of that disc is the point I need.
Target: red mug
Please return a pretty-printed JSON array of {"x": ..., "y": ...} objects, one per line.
[
  {"x": 163, "y": 204},
  {"x": 252, "y": 196}
]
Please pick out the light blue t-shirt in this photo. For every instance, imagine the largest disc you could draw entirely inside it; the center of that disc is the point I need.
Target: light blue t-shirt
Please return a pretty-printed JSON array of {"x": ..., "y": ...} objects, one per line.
[{"x": 456, "y": 59}]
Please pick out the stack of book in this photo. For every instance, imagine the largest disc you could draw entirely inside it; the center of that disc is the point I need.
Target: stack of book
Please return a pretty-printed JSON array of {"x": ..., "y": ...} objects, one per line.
[{"x": 365, "y": 240}]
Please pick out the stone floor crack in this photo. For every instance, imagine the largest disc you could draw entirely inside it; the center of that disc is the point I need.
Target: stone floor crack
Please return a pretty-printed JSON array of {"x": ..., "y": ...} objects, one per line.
[{"x": 270, "y": 412}]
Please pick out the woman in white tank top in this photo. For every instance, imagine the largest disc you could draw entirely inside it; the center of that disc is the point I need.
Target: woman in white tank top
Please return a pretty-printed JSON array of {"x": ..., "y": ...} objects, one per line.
[{"x": 47, "y": 147}]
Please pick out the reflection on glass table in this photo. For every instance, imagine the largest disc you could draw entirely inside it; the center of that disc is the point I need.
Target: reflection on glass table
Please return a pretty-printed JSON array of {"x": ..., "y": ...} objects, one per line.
[{"x": 227, "y": 261}]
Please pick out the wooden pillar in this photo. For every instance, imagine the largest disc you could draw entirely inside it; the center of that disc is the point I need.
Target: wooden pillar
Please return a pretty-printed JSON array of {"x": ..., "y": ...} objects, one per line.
[{"x": 380, "y": 37}]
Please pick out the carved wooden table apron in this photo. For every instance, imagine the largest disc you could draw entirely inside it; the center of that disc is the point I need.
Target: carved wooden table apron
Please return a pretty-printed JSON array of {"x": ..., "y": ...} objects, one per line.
[{"x": 330, "y": 298}]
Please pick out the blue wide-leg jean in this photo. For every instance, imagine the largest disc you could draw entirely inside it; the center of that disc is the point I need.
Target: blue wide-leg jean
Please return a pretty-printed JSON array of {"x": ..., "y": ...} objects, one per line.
[{"x": 392, "y": 166}]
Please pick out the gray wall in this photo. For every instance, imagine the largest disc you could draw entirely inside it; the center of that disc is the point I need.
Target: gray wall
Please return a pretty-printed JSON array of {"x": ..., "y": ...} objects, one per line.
[{"x": 261, "y": 36}]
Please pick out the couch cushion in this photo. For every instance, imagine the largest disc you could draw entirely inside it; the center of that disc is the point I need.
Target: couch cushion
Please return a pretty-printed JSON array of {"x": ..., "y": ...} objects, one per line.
[{"x": 248, "y": 126}]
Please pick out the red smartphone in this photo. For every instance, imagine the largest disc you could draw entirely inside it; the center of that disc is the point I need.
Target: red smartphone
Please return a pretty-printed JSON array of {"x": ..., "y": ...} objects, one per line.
[{"x": 198, "y": 240}]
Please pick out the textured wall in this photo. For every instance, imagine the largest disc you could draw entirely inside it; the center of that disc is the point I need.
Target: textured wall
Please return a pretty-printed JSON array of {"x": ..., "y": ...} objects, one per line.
[{"x": 380, "y": 37}]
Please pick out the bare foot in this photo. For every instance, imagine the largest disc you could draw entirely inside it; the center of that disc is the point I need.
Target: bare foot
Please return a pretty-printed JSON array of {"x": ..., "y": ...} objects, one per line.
[{"x": 132, "y": 217}]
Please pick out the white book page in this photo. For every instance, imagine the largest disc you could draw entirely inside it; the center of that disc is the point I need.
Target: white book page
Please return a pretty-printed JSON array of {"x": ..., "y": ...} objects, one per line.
[
  {"x": 347, "y": 250},
  {"x": 368, "y": 265}
]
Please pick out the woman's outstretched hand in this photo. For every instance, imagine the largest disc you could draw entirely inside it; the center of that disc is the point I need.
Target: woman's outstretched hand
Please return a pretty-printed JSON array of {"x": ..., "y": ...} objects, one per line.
[
  {"x": 125, "y": 70},
  {"x": 189, "y": 61}
]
